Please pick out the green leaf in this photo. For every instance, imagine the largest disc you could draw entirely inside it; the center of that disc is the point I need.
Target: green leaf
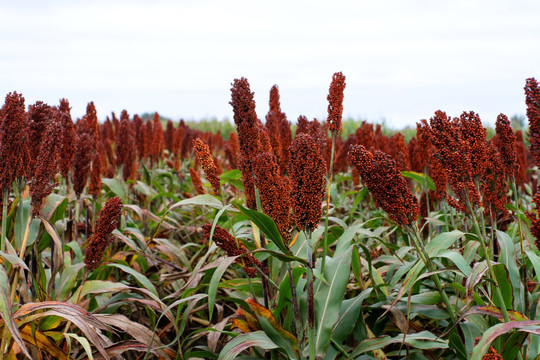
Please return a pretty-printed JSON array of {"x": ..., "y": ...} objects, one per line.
[
  {"x": 421, "y": 179},
  {"x": 267, "y": 225},
  {"x": 421, "y": 340},
  {"x": 507, "y": 257},
  {"x": 206, "y": 200},
  {"x": 513, "y": 344},
  {"x": 442, "y": 242},
  {"x": 501, "y": 274},
  {"x": 214, "y": 282},
  {"x": 530, "y": 326},
  {"x": 143, "y": 280},
  {"x": 328, "y": 298},
  {"x": 116, "y": 187},
  {"x": 7, "y": 313},
  {"x": 535, "y": 260},
  {"x": 348, "y": 316},
  {"x": 83, "y": 341},
  {"x": 244, "y": 342},
  {"x": 457, "y": 259}
]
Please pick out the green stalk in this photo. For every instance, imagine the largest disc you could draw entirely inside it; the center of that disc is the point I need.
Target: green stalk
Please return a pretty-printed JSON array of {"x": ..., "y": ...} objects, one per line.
[
  {"x": 520, "y": 229},
  {"x": 296, "y": 310},
  {"x": 310, "y": 295},
  {"x": 330, "y": 175},
  {"x": 498, "y": 293},
  {"x": 431, "y": 268},
  {"x": 4, "y": 219}
]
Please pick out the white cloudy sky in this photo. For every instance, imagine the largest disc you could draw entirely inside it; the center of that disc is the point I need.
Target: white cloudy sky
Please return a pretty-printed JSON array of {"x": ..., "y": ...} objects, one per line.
[{"x": 403, "y": 59}]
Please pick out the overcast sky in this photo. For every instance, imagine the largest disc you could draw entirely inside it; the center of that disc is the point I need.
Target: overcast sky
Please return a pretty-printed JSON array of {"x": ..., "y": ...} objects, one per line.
[{"x": 402, "y": 59}]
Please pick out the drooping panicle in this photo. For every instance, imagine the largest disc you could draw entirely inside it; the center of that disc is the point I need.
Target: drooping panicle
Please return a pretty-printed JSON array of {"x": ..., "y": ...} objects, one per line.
[
  {"x": 335, "y": 102},
  {"x": 307, "y": 170},
  {"x": 233, "y": 247},
  {"x": 387, "y": 186},
  {"x": 14, "y": 140},
  {"x": 46, "y": 166},
  {"x": 204, "y": 156},
  {"x": 275, "y": 192},
  {"x": 532, "y": 100},
  {"x": 107, "y": 222},
  {"x": 247, "y": 127},
  {"x": 506, "y": 145}
]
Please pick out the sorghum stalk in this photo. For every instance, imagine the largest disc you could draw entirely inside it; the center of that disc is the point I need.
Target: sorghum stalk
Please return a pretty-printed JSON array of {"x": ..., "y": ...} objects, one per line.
[
  {"x": 4, "y": 218},
  {"x": 310, "y": 295},
  {"x": 414, "y": 235},
  {"x": 498, "y": 293},
  {"x": 263, "y": 245},
  {"x": 330, "y": 175}
]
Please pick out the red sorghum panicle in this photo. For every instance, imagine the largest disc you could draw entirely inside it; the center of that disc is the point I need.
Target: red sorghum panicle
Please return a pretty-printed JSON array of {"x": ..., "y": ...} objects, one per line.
[
  {"x": 94, "y": 187},
  {"x": 247, "y": 126},
  {"x": 264, "y": 138},
  {"x": 138, "y": 126},
  {"x": 423, "y": 135},
  {"x": 341, "y": 160},
  {"x": 335, "y": 102},
  {"x": 416, "y": 156},
  {"x": 204, "y": 156},
  {"x": 148, "y": 139},
  {"x": 67, "y": 151},
  {"x": 494, "y": 186},
  {"x": 302, "y": 125},
  {"x": 107, "y": 222},
  {"x": 382, "y": 142},
  {"x": 40, "y": 116},
  {"x": 387, "y": 186},
  {"x": 82, "y": 161},
  {"x": 506, "y": 145},
  {"x": 474, "y": 142},
  {"x": 399, "y": 152},
  {"x": 365, "y": 135},
  {"x": 535, "y": 220},
  {"x": 492, "y": 354},
  {"x": 168, "y": 137},
  {"x": 46, "y": 166},
  {"x": 521, "y": 153},
  {"x": 91, "y": 123},
  {"x": 196, "y": 181},
  {"x": 233, "y": 247},
  {"x": 232, "y": 149},
  {"x": 14, "y": 141},
  {"x": 307, "y": 170},
  {"x": 532, "y": 100},
  {"x": 157, "y": 138},
  {"x": 449, "y": 148},
  {"x": 125, "y": 148},
  {"x": 274, "y": 191}
]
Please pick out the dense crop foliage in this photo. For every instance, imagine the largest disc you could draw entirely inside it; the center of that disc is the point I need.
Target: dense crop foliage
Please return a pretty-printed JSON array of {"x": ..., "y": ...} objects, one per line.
[{"x": 143, "y": 238}]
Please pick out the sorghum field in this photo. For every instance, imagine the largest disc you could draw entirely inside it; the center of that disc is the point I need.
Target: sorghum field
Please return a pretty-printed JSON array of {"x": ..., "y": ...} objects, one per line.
[{"x": 140, "y": 239}]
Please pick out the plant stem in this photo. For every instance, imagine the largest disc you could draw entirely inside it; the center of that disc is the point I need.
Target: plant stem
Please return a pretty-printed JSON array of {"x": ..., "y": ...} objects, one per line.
[
  {"x": 4, "y": 219},
  {"x": 330, "y": 175},
  {"x": 296, "y": 310},
  {"x": 311, "y": 304},
  {"x": 498, "y": 293},
  {"x": 431, "y": 268}
]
